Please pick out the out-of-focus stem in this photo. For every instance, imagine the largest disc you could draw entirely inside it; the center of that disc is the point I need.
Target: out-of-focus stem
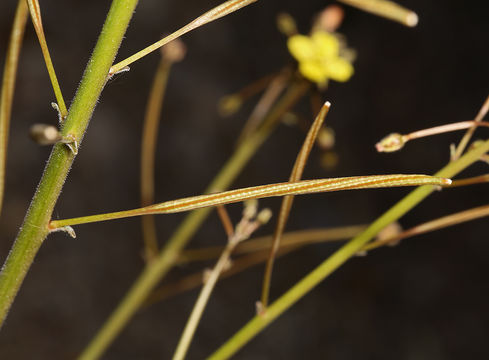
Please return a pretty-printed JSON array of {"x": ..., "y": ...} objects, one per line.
[
  {"x": 148, "y": 150},
  {"x": 388, "y": 9},
  {"x": 8, "y": 86},
  {"x": 440, "y": 223}
]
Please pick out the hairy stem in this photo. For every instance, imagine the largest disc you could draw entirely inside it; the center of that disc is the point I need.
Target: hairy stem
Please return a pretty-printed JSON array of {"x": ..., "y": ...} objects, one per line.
[{"x": 35, "y": 227}]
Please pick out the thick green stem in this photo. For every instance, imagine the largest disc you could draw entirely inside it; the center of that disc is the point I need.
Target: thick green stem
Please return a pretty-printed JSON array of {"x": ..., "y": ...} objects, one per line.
[
  {"x": 35, "y": 227},
  {"x": 259, "y": 322},
  {"x": 158, "y": 268}
]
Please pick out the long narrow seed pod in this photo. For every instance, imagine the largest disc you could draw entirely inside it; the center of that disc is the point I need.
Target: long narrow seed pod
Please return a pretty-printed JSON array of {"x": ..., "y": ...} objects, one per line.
[
  {"x": 262, "y": 191},
  {"x": 287, "y": 201}
]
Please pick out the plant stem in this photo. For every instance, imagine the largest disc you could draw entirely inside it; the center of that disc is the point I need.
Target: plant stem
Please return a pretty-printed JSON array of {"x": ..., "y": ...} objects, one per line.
[
  {"x": 258, "y": 323},
  {"x": 35, "y": 227},
  {"x": 200, "y": 304},
  {"x": 158, "y": 268},
  {"x": 148, "y": 150},
  {"x": 388, "y": 9},
  {"x": 35, "y": 11},
  {"x": 255, "y": 254},
  {"x": 429, "y": 226},
  {"x": 466, "y": 138},
  {"x": 8, "y": 86},
  {"x": 218, "y": 12}
]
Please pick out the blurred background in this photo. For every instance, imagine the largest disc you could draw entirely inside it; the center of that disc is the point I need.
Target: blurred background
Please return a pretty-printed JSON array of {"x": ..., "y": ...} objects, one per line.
[{"x": 424, "y": 299}]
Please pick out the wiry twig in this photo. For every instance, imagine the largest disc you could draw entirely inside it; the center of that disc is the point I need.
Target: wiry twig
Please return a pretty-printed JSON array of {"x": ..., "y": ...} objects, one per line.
[
  {"x": 216, "y": 13},
  {"x": 465, "y": 140},
  {"x": 171, "y": 53},
  {"x": 8, "y": 86},
  {"x": 254, "y": 251},
  {"x": 440, "y": 223},
  {"x": 244, "y": 229},
  {"x": 273, "y": 91},
  {"x": 35, "y": 11},
  {"x": 396, "y": 141}
]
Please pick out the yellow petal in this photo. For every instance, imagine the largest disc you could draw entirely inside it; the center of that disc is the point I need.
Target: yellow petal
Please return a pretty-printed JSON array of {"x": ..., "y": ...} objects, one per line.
[
  {"x": 301, "y": 47},
  {"x": 327, "y": 46},
  {"x": 339, "y": 69},
  {"x": 313, "y": 71}
]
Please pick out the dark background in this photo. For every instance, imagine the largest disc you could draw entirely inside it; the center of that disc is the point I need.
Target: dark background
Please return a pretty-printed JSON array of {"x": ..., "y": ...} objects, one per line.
[{"x": 425, "y": 299}]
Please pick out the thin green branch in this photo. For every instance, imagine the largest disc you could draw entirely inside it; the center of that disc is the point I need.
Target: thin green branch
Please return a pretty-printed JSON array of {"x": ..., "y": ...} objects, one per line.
[
  {"x": 263, "y": 243},
  {"x": 155, "y": 271},
  {"x": 218, "y": 12},
  {"x": 256, "y": 252},
  {"x": 35, "y": 227},
  {"x": 35, "y": 11},
  {"x": 259, "y": 322},
  {"x": 429, "y": 226},
  {"x": 8, "y": 86}
]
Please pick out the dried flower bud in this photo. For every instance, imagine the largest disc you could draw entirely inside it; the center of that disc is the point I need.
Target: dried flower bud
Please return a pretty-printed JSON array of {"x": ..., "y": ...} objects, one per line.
[
  {"x": 290, "y": 119},
  {"x": 325, "y": 138},
  {"x": 286, "y": 24},
  {"x": 228, "y": 105},
  {"x": 390, "y": 232},
  {"x": 330, "y": 18},
  {"x": 264, "y": 216},
  {"x": 329, "y": 160},
  {"x": 44, "y": 134},
  {"x": 174, "y": 51},
  {"x": 391, "y": 143},
  {"x": 259, "y": 308}
]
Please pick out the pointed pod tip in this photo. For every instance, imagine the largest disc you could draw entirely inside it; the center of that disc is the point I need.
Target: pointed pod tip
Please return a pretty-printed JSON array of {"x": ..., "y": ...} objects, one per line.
[
  {"x": 412, "y": 19},
  {"x": 446, "y": 181}
]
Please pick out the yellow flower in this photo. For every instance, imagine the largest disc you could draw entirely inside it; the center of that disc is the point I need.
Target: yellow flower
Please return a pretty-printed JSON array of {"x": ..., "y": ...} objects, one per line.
[{"x": 319, "y": 57}]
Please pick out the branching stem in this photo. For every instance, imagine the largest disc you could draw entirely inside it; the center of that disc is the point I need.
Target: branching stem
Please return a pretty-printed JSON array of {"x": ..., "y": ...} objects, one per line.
[{"x": 35, "y": 227}]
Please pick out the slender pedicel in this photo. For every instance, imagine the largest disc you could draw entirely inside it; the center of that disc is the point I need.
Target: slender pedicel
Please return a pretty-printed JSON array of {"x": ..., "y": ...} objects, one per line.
[
  {"x": 35, "y": 11},
  {"x": 396, "y": 141},
  {"x": 218, "y": 12}
]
